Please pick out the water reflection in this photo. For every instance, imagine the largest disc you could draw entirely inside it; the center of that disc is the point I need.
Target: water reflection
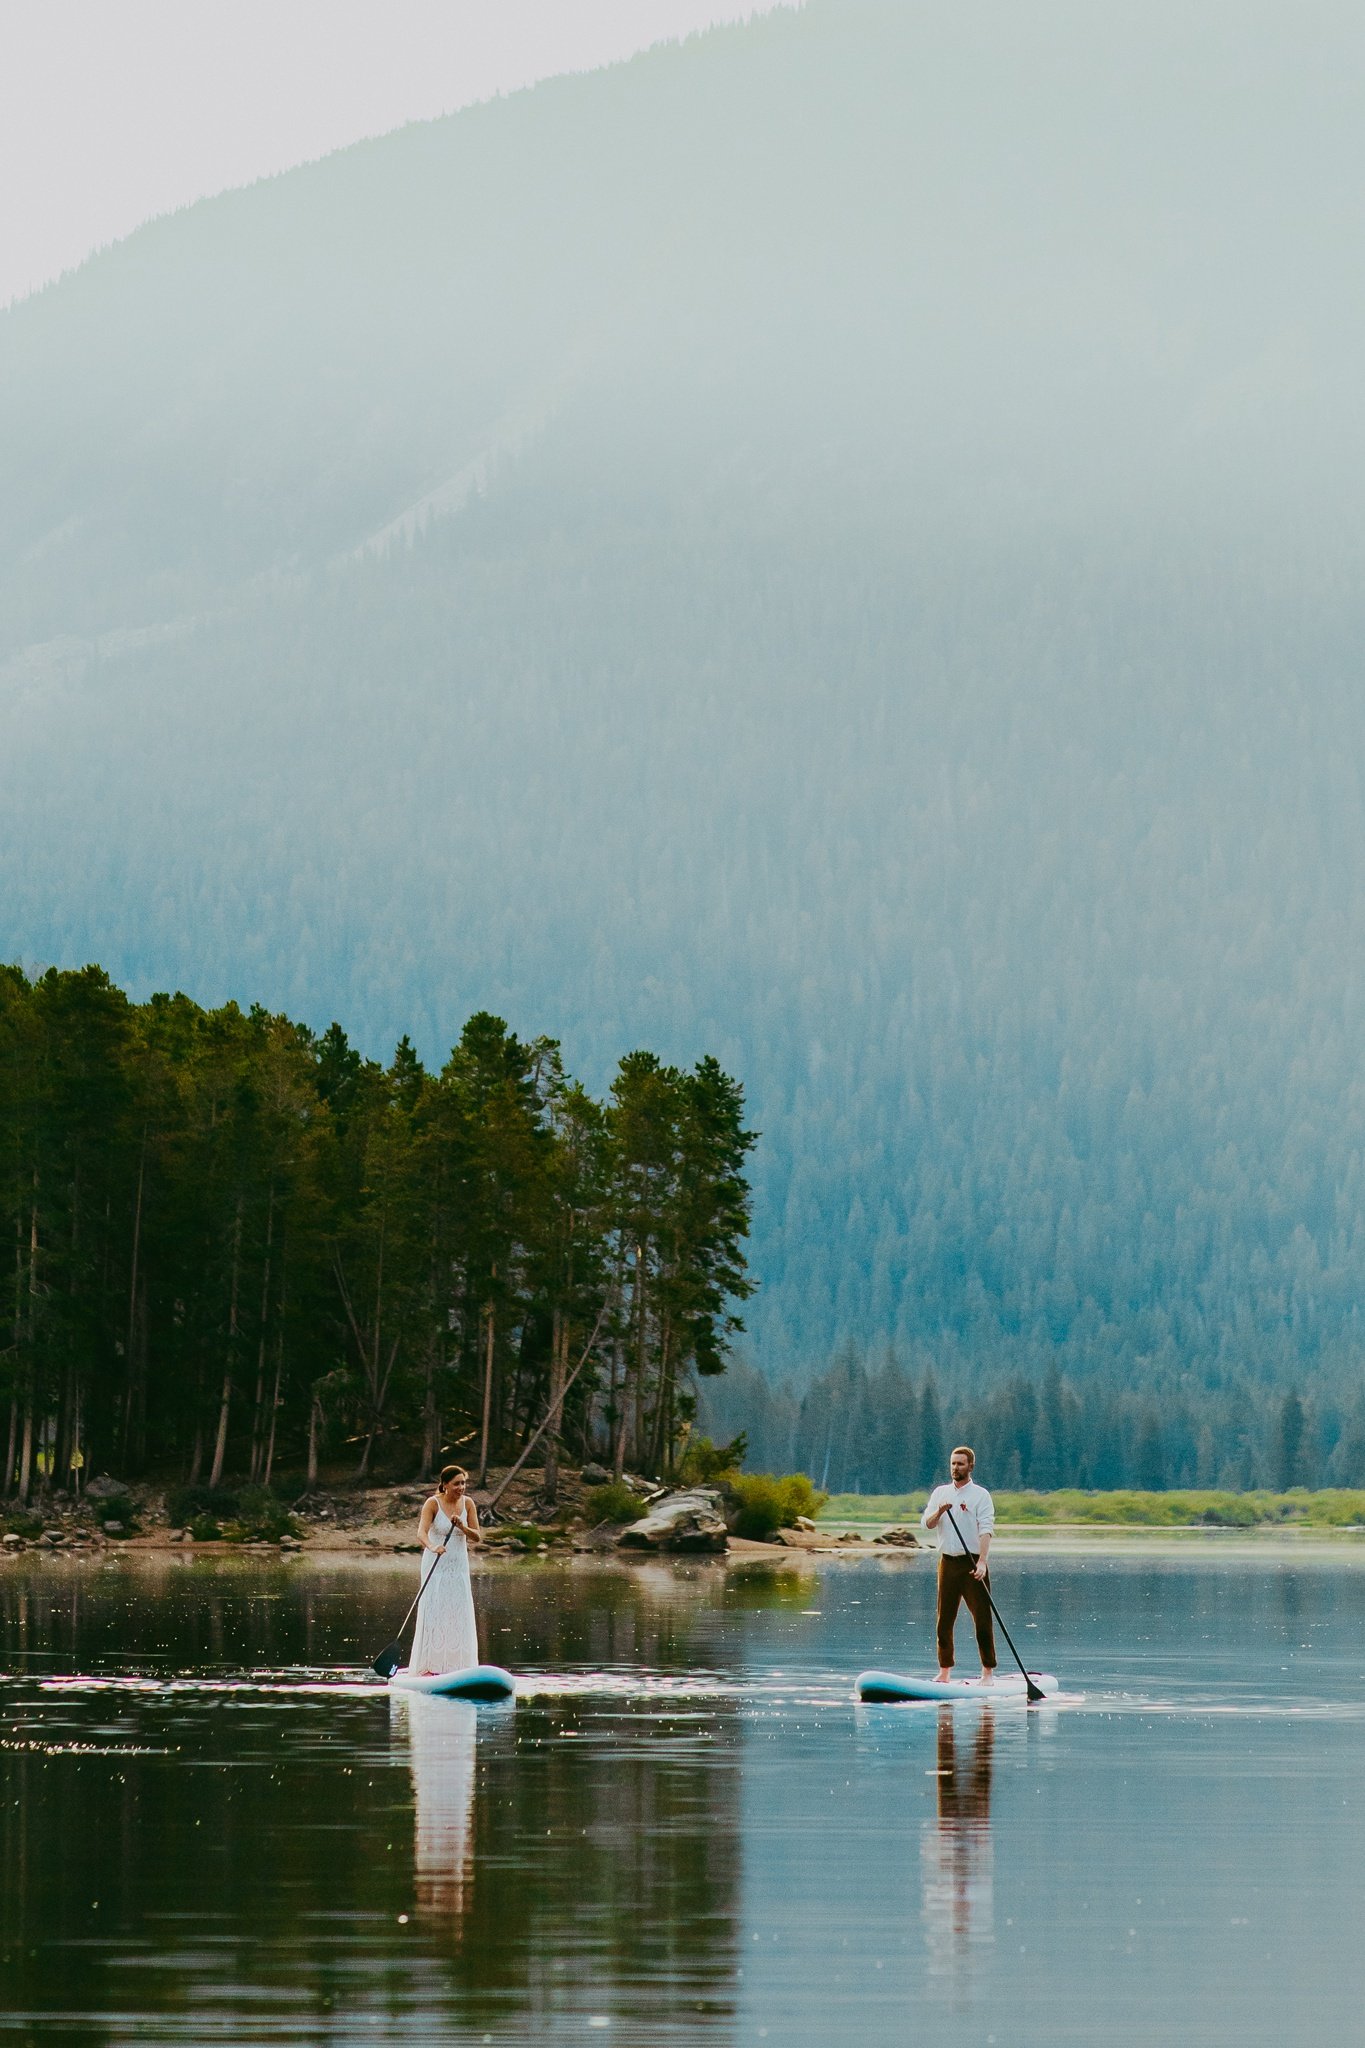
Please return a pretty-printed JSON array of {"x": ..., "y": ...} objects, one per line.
[
  {"x": 442, "y": 1741},
  {"x": 576, "y": 1855},
  {"x": 957, "y": 1861},
  {"x": 198, "y": 1848},
  {"x": 692, "y": 1835}
]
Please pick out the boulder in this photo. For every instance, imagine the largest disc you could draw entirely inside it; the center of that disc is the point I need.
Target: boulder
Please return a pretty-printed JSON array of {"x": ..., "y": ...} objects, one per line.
[
  {"x": 902, "y": 1539},
  {"x": 113, "y": 1529},
  {"x": 595, "y": 1475},
  {"x": 105, "y": 1488},
  {"x": 12, "y": 1540},
  {"x": 686, "y": 1522},
  {"x": 805, "y": 1522}
]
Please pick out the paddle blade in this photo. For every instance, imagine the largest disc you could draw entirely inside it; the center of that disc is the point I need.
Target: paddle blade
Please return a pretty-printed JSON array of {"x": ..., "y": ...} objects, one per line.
[
  {"x": 388, "y": 1661},
  {"x": 1035, "y": 1697}
]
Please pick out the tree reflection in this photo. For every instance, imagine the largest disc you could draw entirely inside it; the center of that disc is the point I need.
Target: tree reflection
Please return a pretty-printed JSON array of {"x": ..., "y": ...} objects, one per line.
[
  {"x": 279, "y": 1853},
  {"x": 567, "y": 1844}
]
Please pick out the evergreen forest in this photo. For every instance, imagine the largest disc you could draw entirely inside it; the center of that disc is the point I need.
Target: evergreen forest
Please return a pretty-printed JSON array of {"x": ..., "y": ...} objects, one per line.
[
  {"x": 239, "y": 1246},
  {"x": 857, "y": 1428}
]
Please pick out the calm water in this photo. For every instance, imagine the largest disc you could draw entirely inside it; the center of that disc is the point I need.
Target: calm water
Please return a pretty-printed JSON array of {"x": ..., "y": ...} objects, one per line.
[{"x": 215, "y": 1829}]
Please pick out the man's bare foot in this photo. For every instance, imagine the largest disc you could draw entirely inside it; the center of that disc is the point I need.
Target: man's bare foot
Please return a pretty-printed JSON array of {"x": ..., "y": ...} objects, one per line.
[
  {"x": 945, "y": 1674},
  {"x": 987, "y": 1677}
]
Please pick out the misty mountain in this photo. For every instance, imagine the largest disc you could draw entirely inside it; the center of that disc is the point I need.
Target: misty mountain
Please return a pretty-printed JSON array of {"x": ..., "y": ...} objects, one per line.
[{"x": 835, "y": 545}]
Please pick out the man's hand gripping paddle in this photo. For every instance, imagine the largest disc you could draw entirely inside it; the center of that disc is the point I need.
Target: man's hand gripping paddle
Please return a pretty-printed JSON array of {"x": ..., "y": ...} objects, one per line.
[{"x": 1034, "y": 1692}]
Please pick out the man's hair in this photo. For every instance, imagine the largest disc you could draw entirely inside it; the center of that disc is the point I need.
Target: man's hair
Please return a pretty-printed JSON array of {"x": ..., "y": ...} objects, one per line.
[{"x": 964, "y": 1451}]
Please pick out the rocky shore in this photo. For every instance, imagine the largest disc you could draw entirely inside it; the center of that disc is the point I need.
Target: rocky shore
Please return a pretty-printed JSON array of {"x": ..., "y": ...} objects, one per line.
[{"x": 692, "y": 1521}]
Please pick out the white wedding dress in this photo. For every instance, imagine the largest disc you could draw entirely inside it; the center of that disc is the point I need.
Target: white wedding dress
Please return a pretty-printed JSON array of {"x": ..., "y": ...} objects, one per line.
[{"x": 446, "y": 1637}]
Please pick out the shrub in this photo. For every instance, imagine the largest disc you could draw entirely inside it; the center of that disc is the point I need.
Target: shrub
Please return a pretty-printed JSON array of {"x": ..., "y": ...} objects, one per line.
[
  {"x": 259, "y": 1514},
  {"x": 120, "y": 1508},
  {"x": 184, "y": 1503},
  {"x": 1229, "y": 1514},
  {"x": 764, "y": 1503},
  {"x": 1337, "y": 1509},
  {"x": 703, "y": 1462},
  {"x": 528, "y": 1536},
  {"x": 204, "y": 1529},
  {"x": 614, "y": 1502},
  {"x": 1024, "y": 1507}
]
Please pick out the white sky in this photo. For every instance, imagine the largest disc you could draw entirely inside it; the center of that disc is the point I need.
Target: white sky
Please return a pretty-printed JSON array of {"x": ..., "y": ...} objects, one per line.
[{"x": 112, "y": 111}]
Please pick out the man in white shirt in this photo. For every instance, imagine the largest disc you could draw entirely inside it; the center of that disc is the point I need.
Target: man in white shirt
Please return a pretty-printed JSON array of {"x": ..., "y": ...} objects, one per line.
[{"x": 964, "y": 1541}]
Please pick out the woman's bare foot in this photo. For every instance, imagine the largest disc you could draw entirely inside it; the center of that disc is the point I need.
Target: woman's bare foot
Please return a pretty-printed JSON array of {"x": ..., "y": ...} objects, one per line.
[{"x": 945, "y": 1677}]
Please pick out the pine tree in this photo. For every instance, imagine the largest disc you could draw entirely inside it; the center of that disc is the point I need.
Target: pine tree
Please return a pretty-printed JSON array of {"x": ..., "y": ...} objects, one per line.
[
  {"x": 933, "y": 1445},
  {"x": 1290, "y": 1444}
]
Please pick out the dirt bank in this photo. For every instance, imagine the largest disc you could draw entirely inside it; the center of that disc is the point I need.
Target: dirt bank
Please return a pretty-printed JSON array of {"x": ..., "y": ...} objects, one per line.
[{"x": 376, "y": 1519}]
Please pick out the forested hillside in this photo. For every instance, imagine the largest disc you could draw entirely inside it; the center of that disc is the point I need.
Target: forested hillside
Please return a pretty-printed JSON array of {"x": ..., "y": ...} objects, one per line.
[
  {"x": 839, "y": 544},
  {"x": 877, "y": 1429},
  {"x": 238, "y": 1242}
]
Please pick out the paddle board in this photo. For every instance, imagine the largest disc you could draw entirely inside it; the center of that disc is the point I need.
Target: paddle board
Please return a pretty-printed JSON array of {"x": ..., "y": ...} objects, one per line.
[
  {"x": 895, "y": 1685},
  {"x": 479, "y": 1682}
]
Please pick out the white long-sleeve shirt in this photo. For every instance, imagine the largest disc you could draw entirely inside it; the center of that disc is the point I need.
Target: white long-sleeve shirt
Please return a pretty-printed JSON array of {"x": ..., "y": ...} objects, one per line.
[{"x": 973, "y": 1512}]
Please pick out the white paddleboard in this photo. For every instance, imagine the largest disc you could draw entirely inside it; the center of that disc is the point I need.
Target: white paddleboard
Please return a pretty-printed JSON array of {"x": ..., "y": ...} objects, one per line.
[
  {"x": 479, "y": 1682},
  {"x": 895, "y": 1685}
]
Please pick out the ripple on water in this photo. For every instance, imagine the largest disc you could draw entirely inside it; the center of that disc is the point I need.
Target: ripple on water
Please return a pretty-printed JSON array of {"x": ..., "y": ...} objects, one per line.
[{"x": 225, "y": 1828}]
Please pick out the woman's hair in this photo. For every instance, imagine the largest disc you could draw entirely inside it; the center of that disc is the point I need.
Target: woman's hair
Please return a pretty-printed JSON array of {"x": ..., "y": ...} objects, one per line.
[
  {"x": 449, "y": 1472},
  {"x": 965, "y": 1451}
]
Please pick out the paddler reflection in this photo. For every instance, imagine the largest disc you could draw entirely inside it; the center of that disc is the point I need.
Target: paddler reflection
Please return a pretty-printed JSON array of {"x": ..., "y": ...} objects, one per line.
[
  {"x": 442, "y": 1741},
  {"x": 956, "y": 1859}
]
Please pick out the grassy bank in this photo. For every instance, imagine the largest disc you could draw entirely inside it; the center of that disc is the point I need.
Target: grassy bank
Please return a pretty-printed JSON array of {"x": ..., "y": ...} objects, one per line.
[{"x": 1332, "y": 1508}]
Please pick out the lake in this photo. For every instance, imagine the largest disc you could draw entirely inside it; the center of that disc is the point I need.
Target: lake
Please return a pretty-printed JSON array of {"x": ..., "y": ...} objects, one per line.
[{"x": 218, "y": 1828}]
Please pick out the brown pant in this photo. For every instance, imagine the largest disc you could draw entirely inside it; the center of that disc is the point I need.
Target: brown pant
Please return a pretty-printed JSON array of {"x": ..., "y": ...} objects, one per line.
[{"x": 956, "y": 1584}]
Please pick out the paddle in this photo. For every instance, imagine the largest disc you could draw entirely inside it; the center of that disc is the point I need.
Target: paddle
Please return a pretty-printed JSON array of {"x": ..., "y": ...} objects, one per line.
[
  {"x": 388, "y": 1660},
  {"x": 1035, "y": 1694}
]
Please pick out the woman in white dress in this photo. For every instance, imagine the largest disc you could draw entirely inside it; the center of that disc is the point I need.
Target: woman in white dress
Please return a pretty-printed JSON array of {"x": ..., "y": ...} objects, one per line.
[{"x": 446, "y": 1637}]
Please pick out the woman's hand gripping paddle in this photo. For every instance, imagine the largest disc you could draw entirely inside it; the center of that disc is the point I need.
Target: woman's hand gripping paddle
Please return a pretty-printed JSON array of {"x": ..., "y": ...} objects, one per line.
[
  {"x": 388, "y": 1661},
  {"x": 1035, "y": 1694}
]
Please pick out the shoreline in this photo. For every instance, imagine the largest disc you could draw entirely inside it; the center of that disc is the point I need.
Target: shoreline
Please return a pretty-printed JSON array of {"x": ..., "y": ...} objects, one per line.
[
  {"x": 343, "y": 1522},
  {"x": 338, "y": 1552}
]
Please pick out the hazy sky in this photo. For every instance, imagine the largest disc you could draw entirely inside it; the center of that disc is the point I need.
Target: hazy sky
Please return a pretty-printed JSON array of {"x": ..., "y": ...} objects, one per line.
[{"x": 112, "y": 111}]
